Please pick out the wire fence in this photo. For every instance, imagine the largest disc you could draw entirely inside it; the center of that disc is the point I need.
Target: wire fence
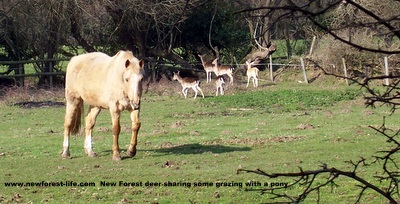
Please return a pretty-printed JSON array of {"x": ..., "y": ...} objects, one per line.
[{"x": 48, "y": 69}]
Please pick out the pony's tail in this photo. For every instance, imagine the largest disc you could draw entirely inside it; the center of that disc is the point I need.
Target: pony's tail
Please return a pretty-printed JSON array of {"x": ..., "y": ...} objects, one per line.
[{"x": 77, "y": 118}]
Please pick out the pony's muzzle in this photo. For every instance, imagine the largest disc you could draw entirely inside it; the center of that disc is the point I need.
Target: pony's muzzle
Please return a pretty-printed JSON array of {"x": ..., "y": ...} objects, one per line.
[{"x": 135, "y": 106}]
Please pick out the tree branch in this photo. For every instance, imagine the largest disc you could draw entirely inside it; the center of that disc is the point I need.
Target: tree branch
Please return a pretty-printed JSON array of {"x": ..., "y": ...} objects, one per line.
[
  {"x": 311, "y": 16},
  {"x": 335, "y": 173},
  {"x": 76, "y": 33}
]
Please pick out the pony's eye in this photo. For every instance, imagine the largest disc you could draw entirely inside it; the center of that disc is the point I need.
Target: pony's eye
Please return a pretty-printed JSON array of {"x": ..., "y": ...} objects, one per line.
[{"x": 126, "y": 79}]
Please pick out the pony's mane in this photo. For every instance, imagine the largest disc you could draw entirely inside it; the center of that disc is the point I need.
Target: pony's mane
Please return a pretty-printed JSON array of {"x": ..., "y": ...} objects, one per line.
[{"x": 124, "y": 55}]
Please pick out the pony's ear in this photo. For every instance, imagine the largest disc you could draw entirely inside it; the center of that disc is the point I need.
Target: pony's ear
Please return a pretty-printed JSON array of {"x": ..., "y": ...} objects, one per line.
[
  {"x": 141, "y": 63},
  {"x": 127, "y": 62}
]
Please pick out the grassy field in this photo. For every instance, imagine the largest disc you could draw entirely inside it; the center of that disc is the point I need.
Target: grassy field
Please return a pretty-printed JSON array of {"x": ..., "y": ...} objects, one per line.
[{"x": 189, "y": 150}]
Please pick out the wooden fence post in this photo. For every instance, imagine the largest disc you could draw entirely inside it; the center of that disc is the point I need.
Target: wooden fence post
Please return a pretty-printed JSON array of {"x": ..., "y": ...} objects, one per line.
[
  {"x": 21, "y": 71},
  {"x": 312, "y": 46},
  {"x": 386, "y": 71},
  {"x": 51, "y": 70},
  {"x": 271, "y": 73},
  {"x": 345, "y": 70},
  {"x": 304, "y": 70}
]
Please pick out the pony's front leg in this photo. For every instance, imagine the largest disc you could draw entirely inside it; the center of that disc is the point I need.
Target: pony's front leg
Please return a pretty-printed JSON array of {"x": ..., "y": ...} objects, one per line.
[
  {"x": 116, "y": 128},
  {"x": 135, "y": 130},
  {"x": 90, "y": 121}
]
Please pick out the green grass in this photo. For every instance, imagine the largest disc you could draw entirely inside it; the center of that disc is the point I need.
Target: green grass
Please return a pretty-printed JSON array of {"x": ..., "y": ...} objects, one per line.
[
  {"x": 286, "y": 100},
  {"x": 275, "y": 128}
]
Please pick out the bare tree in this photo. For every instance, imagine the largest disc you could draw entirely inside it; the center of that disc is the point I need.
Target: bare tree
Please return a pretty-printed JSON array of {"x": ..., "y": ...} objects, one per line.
[
  {"x": 260, "y": 22},
  {"x": 40, "y": 28},
  {"x": 150, "y": 28},
  {"x": 33, "y": 30}
]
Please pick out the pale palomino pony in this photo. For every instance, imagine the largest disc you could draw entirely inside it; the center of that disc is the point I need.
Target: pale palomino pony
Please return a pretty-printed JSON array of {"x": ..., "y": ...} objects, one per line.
[{"x": 103, "y": 82}]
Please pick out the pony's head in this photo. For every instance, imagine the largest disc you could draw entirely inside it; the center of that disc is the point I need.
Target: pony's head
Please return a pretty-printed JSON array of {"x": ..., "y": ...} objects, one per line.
[{"x": 132, "y": 77}]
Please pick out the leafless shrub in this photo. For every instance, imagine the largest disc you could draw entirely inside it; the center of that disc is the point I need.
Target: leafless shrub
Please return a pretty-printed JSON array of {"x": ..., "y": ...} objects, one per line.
[{"x": 329, "y": 54}]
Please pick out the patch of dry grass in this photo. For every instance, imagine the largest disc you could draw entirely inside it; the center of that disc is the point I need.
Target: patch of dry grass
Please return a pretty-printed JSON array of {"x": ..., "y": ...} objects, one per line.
[{"x": 17, "y": 94}]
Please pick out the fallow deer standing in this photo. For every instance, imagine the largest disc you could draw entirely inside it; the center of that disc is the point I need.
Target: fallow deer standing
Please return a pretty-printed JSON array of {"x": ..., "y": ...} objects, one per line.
[
  {"x": 223, "y": 69},
  {"x": 252, "y": 72},
  {"x": 219, "y": 84},
  {"x": 188, "y": 82},
  {"x": 209, "y": 67}
]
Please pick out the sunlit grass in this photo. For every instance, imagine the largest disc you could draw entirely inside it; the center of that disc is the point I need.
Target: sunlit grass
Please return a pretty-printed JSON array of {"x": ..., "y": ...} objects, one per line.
[{"x": 277, "y": 129}]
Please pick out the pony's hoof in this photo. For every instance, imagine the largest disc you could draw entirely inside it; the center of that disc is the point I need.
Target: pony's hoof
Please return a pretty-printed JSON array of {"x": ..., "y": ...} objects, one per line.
[
  {"x": 65, "y": 155},
  {"x": 116, "y": 158},
  {"x": 92, "y": 154},
  {"x": 131, "y": 153}
]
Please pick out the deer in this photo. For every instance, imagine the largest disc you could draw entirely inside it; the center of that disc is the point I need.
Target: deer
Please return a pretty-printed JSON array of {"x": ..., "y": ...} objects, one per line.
[
  {"x": 223, "y": 69},
  {"x": 252, "y": 72},
  {"x": 188, "y": 82},
  {"x": 209, "y": 67},
  {"x": 219, "y": 84}
]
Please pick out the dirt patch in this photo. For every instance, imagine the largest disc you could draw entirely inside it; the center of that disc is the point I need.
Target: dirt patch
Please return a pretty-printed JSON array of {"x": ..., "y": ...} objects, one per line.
[
  {"x": 345, "y": 111},
  {"x": 169, "y": 164},
  {"x": 177, "y": 124},
  {"x": 167, "y": 145},
  {"x": 368, "y": 112},
  {"x": 328, "y": 114},
  {"x": 194, "y": 133},
  {"x": 303, "y": 126},
  {"x": 103, "y": 129},
  {"x": 43, "y": 104},
  {"x": 226, "y": 132}
]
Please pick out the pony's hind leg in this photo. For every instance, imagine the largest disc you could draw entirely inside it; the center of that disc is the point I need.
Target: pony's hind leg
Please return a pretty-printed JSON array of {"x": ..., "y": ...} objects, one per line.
[
  {"x": 65, "y": 154},
  {"x": 74, "y": 108},
  {"x": 90, "y": 121}
]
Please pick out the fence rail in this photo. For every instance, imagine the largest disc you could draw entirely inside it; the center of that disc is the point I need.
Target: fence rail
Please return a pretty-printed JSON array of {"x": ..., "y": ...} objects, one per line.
[
  {"x": 47, "y": 67},
  {"x": 18, "y": 67}
]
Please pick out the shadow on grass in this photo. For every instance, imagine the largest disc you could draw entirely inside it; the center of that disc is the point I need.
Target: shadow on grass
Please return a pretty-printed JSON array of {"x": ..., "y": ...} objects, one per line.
[
  {"x": 181, "y": 149},
  {"x": 199, "y": 149}
]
